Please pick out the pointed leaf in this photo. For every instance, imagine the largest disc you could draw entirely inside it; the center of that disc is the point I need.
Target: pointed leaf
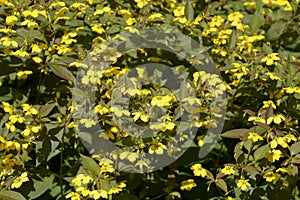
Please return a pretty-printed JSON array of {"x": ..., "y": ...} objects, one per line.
[
  {"x": 90, "y": 164},
  {"x": 11, "y": 195},
  {"x": 62, "y": 72},
  {"x": 261, "y": 152},
  {"x": 236, "y": 133},
  {"x": 221, "y": 184},
  {"x": 189, "y": 11},
  {"x": 41, "y": 187},
  {"x": 46, "y": 109},
  {"x": 295, "y": 148}
]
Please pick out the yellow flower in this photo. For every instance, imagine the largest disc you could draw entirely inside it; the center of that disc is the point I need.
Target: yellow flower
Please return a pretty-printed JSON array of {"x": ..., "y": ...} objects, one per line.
[
  {"x": 132, "y": 30},
  {"x": 6, "y": 41},
  {"x": 101, "y": 110},
  {"x": 10, "y": 126},
  {"x": 283, "y": 171},
  {"x": 181, "y": 20},
  {"x": 20, "y": 180},
  {"x": 11, "y": 20},
  {"x": 249, "y": 4},
  {"x": 235, "y": 19},
  {"x": 155, "y": 16},
  {"x": 88, "y": 123},
  {"x": 216, "y": 21},
  {"x": 199, "y": 170},
  {"x": 270, "y": 58},
  {"x": 141, "y": 3},
  {"x": 35, "y": 48},
  {"x": 157, "y": 148},
  {"x": 20, "y": 53},
  {"x": 114, "y": 190},
  {"x": 273, "y": 76},
  {"x": 254, "y": 137},
  {"x": 68, "y": 38},
  {"x": 16, "y": 118},
  {"x": 28, "y": 109},
  {"x": 97, "y": 194},
  {"x": 98, "y": 28},
  {"x": 26, "y": 132},
  {"x": 281, "y": 141},
  {"x": 228, "y": 170},
  {"x": 85, "y": 192},
  {"x": 162, "y": 101},
  {"x": 121, "y": 185},
  {"x": 30, "y": 24},
  {"x": 235, "y": 16},
  {"x": 73, "y": 196},
  {"x": 130, "y": 21},
  {"x": 230, "y": 198},
  {"x": 7, "y": 107},
  {"x": 78, "y": 65},
  {"x": 243, "y": 184},
  {"x": 126, "y": 14},
  {"x": 7, "y": 31},
  {"x": 168, "y": 126},
  {"x": 277, "y": 119},
  {"x": 273, "y": 155},
  {"x": 270, "y": 176},
  {"x": 60, "y": 14},
  {"x": 179, "y": 11},
  {"x": 256, "y": 119},
  {"x": 36, "y": 129},
  {"x": 188, "y": 184},
  {"x": 81, "y": 179},
  {"x": 200, "y": 140},
  {"x": 37, "y": 59},
  {"x": 78, "y": 5},
  {"x": 290, "y": 138},
  {"x": 119, "y": 112},
  {"x": 268, "y": 103},
  {"x": 142, "y": 116},
  {"x": 57, "y": 4},
  {"x": 130, "y": 156}
]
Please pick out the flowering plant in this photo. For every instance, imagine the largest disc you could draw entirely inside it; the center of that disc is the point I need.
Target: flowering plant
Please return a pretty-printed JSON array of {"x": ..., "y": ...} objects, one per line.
[{"x": 255, "y": 47}]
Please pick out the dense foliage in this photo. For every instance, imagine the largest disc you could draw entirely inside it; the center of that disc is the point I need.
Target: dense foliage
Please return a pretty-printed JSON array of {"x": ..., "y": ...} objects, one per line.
[{"x": 255, "y": 45}]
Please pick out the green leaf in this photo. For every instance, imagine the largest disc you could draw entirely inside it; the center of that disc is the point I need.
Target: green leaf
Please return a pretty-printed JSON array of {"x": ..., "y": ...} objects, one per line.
[
  {"x": 209, "y": 175},
  {"x": 62, "y": 72},
  {"x": 189, "y": 11},
  {"x": 267, "y": 49},
  {"x": 269, "y": 113},
  {"x": 257, "y": 19},
  {"x": 113, "y": 29},
  {"x": 248, "y": 145},
  {"x": 104, "y": 184},
  {"x": 43, "y": 148},
  {"x": 232, "y": 39},
  {"x": 46, "y": 109},
  {"x": 276, "y": 30},
  {"x": 236, "y": 133},
  {"x": 221, "y": 184},
  {"x": 90, "y": 164},
  {"x": 261, "y": 152},
  {"x": 41, "y": 187},
  {"x": 11, "y": 195},
  {"x": 295, "y": 148},
  {"x": 251, "y": 170}
]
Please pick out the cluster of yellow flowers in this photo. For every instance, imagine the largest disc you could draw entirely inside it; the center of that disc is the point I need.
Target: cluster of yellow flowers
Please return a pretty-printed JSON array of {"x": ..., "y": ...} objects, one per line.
[{"x": 247, "y": 41}]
